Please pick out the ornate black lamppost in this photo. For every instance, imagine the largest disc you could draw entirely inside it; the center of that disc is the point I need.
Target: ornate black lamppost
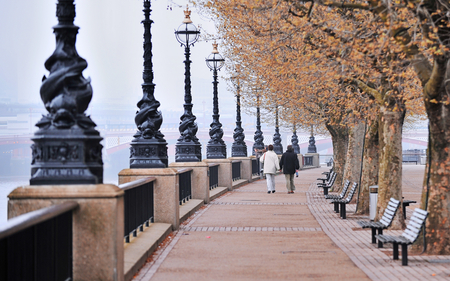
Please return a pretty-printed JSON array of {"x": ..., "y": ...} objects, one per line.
[
  {"x": 239, "y": 148},
  {"x": 66, "y": 147},
  {"x": 277, "y": 146},
  {"x": 258, "y": 137},
  {"x": 187, "y": 148},
  {"x": 294, "y": 141},
  {"x": 312, "y": 142},
  {"x": 216, "y": 148},
  {"x": 148, "y": 148}
]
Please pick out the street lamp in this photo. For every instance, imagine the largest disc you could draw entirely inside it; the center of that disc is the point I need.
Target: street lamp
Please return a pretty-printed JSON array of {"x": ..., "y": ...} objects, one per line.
[
  {"x": 258, "y": 145},
  {"x": 148, "y": 148},
  {"x": 312, "y": 142},
  {"x": 216, "y": 148},
  {"x": 66, "y": 147},
  {"x": 277, "y": 146},
  {"x": 187, "y": 148},
  {"x": 239, "y": 148},
  {"x": 294, "y": 141}
]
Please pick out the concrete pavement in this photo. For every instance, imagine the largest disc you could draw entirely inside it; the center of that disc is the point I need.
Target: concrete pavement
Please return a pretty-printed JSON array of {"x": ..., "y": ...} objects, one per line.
[{"x": 248, "y": 234}]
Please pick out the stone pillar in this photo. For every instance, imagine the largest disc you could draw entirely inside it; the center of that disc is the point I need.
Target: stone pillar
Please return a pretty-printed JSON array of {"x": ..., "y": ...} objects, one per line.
[
  {"x": 199, "y": 178},
  {"x": 165, "y": 192},
  {"x": 300, "y": 160},
  {"x": 316, "y": 162},
  {"x": 98, "y": 224},
  {"x": 246, "y": 167},
  {"x": 225, "y": 175}
]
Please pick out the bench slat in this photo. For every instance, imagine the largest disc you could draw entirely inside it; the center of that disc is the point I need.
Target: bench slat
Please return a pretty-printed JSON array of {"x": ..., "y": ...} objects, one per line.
[
  {"x": 415, "y": 219},
  {"x": 418, "y": 215},
  {"x": 415, "y": 224},
  {"x": 391, "y": 207},
  {"x": 420, "y": 211},
  {"x": 385, "y": 222}
]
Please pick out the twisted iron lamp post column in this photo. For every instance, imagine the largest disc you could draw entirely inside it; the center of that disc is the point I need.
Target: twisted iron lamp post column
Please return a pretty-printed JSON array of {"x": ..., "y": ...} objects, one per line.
[
  {"x": 66, "y": 147},
  {"x": 187, "y": 148},
  {"x": 312, "y": 142},
  {"x": 277, "y": 146},
  {"x": 148, "y": 148},
  {"x": 294, "y": 141},
  {"x": 239, "y": 148},
  {"x": 216, "y": 148},
  {"x": 258, "y": 137}
]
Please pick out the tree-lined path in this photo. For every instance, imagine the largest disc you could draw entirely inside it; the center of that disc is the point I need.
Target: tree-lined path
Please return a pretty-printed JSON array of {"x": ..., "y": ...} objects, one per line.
[{"x": 248, "y": 234}]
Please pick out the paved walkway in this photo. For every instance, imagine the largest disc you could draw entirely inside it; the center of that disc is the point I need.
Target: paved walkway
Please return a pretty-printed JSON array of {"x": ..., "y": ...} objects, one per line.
[{"x": 248, "y": 234}]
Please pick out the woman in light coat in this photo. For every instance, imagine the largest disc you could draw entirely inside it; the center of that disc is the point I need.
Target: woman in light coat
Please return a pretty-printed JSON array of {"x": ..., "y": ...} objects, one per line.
[{"x": 271, "y": 166}]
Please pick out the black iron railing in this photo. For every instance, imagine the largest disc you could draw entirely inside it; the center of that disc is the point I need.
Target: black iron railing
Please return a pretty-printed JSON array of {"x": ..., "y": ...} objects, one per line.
[
  {"x": 138, "y": 206},
  {"x": 213, "y": 176},
  {"x": 236, "y": 170},
  {"x": 38, "y": 245},
  {"x": 308, "y": 161},
  {"x": 184, "y": 183},
  {"x": 255, "y": 167}
]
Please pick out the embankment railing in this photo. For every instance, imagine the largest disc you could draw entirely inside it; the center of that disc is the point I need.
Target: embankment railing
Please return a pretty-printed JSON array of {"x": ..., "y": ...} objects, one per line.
[
  {"x": 38, "y": 245},
  {"x": 213, "y": 176},
  {"x": 255, "y": 167},
  {"x": 184, "y": 183},
  {"x": 139, "y": 205},
  {"x": 236, "y": 170}
]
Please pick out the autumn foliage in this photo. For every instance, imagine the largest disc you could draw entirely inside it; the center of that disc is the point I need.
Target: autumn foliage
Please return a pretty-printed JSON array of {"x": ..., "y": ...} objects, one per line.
[{"x": 337, "y": 64}]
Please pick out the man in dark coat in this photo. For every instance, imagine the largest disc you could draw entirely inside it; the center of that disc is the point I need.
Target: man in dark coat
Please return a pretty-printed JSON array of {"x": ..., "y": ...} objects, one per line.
[{"x": 289, "y": 163}]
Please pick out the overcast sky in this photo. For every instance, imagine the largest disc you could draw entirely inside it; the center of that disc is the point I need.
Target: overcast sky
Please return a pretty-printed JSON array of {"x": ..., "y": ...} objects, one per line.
[{"x": 110, "y": 39}]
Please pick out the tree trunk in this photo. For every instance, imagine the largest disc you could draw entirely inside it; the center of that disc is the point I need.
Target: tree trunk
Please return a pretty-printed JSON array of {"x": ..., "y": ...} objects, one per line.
[
  {"x": 370, "y": 168},
  {"x": 438, "y": 222},
  {"x": 352, "y": 171},
  {"x": 390, "y": 169},
  {"x": 339, "y": 136}
]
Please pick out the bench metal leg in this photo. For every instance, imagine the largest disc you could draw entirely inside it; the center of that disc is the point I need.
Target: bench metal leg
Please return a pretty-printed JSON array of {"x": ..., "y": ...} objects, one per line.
[
  {"x": 325, "y": 190},
  {"x": 404, "y": 254},
  {"x": 336, "y": 207},
  {"x": 374, "y": 231},
  {"x": 380, "y": 244},
  {"x": 343, "y": 211},
  {"x": 395, "y": 253}
]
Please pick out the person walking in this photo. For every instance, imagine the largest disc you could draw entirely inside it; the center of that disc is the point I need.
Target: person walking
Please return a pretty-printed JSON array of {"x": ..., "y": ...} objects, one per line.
[
  {"x": 289, "y": 163},
  {"x": 271, "y": 166}
]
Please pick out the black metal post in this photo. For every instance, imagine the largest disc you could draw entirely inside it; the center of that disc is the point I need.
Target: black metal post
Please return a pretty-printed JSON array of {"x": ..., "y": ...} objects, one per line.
[
  {"x": 294, "y": 141},
  {"x": 187, "y": 148},
  {"x": 216, "y": 148},
  {"x": 312, "y": 142},
  {"x": 277, "y": 146},
  {"x": 66, "y": 147},
  {"x": 148, "y": 148},
  {"x": 239, "y": 148},
  {"x": 258, "y": 137}
]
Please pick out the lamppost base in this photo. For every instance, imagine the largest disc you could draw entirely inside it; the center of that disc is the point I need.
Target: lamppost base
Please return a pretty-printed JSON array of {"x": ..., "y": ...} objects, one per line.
[
  {"x": 66, "y": 156},
  {"x": 278, "y": 149},
  {"x": 216, "y": 151},
  {"x": 257, "y": 146},
  {"x": 188, "y": 152},
  {"x": 312, "y": 145},
  {"x": 148, "y": 153},
  {"x": 238, "y": 150}
]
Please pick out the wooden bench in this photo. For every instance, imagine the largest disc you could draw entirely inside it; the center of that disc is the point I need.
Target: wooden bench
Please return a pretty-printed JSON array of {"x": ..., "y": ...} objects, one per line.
[
  {"x": 385, "y": 222},
  {"x": 327, "y": 185},
  {"x": 341, "y": 203},
  {"x": 327, "y": 178},
  {"x": 408, "y": 237},
  {"x": 339, "y": 196}
]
